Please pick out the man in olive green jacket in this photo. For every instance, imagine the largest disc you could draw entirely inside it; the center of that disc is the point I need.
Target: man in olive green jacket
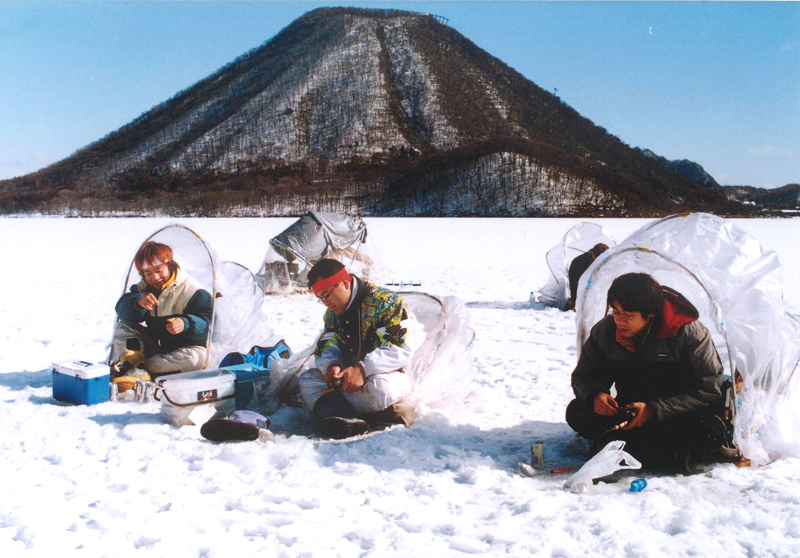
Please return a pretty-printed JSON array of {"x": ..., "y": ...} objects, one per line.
[{"x": 666, "y": 372}]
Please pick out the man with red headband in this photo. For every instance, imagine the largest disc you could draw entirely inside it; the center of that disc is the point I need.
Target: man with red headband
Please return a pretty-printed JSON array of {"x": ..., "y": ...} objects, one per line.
[
  {"x": 370, "y": 335},
  {"x": 175, "y": 310}
]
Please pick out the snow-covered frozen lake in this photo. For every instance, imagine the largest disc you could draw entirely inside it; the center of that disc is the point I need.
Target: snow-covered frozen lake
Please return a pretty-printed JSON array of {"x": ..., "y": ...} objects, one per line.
[{"x": 114, "y": 480}]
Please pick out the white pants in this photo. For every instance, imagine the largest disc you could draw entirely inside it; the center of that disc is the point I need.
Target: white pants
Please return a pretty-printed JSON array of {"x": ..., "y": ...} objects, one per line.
[
  {"x": 379, "y": 392},
  {"x": 183, "y": 359}
]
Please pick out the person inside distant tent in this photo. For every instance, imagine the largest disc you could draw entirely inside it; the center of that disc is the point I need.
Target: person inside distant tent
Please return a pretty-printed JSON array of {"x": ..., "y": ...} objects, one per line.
[
  {"x": 578, "y": 267},
  {"x": 164, "y": 320},
  {"x": 667, "y": 374},
  {"x": 370, "y": 335}
]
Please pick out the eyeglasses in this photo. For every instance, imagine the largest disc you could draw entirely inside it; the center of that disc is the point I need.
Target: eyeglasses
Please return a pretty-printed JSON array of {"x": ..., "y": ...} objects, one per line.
[
  {"x": 622, "y": 316},
  {"x": 324, "y": 296}
]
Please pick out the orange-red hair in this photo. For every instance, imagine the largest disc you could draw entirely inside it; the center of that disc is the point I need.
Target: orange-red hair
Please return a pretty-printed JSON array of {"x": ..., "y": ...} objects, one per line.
[{"x": 151, "y": 252}]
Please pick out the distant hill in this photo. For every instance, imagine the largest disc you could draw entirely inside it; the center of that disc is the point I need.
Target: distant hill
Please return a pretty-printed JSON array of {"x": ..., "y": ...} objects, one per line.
[
  {"x": 691, "y": 170},
  {"x": 380, "y": 111},
  {"x": 786, "y": 197}
]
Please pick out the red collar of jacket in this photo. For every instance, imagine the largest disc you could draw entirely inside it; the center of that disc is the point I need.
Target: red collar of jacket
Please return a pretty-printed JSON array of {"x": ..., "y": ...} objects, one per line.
[{"x": 677, "y": 313}]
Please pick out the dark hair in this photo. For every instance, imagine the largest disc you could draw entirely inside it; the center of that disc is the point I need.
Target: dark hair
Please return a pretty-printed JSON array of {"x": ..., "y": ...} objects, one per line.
[
  {"x": 636, "y": 292},
  {"x": 598, "y": 249},
  {"x": 323, "y": 269}
]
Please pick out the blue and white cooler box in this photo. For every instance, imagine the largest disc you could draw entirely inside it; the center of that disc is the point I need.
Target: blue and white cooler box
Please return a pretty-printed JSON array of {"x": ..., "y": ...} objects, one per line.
[
  {"x": 196, "y": 397},
  {"x": 252, "y": 387},
  {"x": 80, "y": 382}
]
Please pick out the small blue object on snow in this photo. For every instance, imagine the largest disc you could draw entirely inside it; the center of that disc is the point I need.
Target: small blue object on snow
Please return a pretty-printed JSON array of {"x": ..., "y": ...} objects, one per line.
[{"x": 638, "y": 485}]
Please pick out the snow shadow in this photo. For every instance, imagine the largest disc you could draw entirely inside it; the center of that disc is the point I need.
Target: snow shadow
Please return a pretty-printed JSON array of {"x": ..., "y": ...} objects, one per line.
[
  {"x": 47, "y": 400},
  {"x": 434, "y": 445},
  {"x": 292, "y": 421},
  {"x": 127, "y": 418},
  {"x": 503, "y": 305},
  {"x": 19, "y": 381}
]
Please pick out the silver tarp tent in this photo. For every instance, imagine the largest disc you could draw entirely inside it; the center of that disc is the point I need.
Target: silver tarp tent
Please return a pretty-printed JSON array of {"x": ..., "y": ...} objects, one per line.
[{"x": 316, "y": 235}]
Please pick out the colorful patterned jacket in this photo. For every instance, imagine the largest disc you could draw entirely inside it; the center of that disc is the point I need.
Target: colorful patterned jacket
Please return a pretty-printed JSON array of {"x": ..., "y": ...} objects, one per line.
[{"x": 378, "y": 330}]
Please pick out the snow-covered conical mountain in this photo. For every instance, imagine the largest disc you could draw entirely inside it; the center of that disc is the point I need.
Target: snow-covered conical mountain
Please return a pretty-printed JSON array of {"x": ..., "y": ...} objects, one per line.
[{"x": 382, "y": 111}]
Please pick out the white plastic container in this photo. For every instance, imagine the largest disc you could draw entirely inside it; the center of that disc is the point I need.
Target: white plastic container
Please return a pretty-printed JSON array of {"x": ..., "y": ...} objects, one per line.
[{"x": 196, "y": 397}]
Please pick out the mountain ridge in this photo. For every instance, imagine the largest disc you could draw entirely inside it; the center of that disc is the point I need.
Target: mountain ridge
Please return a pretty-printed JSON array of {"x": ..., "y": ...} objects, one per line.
[
  {"x": 377, "y": 111},
  {"x": 685, "y": 167}
]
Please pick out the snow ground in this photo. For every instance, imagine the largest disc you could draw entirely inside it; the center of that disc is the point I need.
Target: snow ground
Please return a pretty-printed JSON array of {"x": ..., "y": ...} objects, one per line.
[{"x": 113, "y": 480}]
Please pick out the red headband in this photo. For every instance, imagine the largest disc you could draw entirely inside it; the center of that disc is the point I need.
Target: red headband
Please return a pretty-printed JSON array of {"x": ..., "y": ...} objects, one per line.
[{"x": 328, "y": 282}]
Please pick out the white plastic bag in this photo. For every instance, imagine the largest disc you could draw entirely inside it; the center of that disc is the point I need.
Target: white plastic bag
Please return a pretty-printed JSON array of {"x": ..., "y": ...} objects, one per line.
[{"x": 608, "y": 460}]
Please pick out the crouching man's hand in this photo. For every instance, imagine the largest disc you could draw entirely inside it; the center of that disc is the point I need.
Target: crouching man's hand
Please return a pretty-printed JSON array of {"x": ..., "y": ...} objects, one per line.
[
  {"x": 353, "y": 377},
  {"x": 605, "y": 405},
  {"x": 644, "y": 413}
]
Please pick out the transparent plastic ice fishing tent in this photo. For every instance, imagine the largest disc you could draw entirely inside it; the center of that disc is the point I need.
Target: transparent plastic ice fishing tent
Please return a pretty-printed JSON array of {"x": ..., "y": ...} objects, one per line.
[
  {"x": 238, "y": 322},
  {"x": 737, "y": 286},
  {"x": 317, "y": 235},
  {"x": 578, "y": 240},
  {"x": 440, "y": 371}
]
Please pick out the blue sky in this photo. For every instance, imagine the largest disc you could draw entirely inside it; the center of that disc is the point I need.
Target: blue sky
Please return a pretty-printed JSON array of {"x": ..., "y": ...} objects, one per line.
[{"x": 717, "y": 83}]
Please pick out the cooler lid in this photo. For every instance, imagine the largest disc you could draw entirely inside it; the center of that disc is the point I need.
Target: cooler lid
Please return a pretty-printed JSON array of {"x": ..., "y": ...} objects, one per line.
[
  {"x": 81, "y": 369},
  {"x": 248, "y": 372},
  {"x": 199, "y": 379}
]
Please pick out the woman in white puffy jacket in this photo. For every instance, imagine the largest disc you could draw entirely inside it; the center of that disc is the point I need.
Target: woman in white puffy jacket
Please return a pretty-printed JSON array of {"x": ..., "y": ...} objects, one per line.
[{"x": 168, "y": 313}]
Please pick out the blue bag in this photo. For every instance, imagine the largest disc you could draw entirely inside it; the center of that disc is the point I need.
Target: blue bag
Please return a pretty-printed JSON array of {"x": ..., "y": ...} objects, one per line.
[
  {"x": 258, "y": 356},
  {"x": 252, "y": 374}
]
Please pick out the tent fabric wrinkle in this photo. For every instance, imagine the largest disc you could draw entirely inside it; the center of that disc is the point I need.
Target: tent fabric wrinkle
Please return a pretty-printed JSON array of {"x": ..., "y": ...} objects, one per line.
[{"x": 441, "y": 369}]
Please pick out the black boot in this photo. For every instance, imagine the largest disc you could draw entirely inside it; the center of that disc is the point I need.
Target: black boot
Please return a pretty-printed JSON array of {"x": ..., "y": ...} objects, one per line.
[
  {"x": 340, "y": 428},
  {"x": 384, "y": 419},
  {"x": 712, "y": 435},
  {"x": 227, "y": 430},
  {"x": 336, "y": 417}
]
